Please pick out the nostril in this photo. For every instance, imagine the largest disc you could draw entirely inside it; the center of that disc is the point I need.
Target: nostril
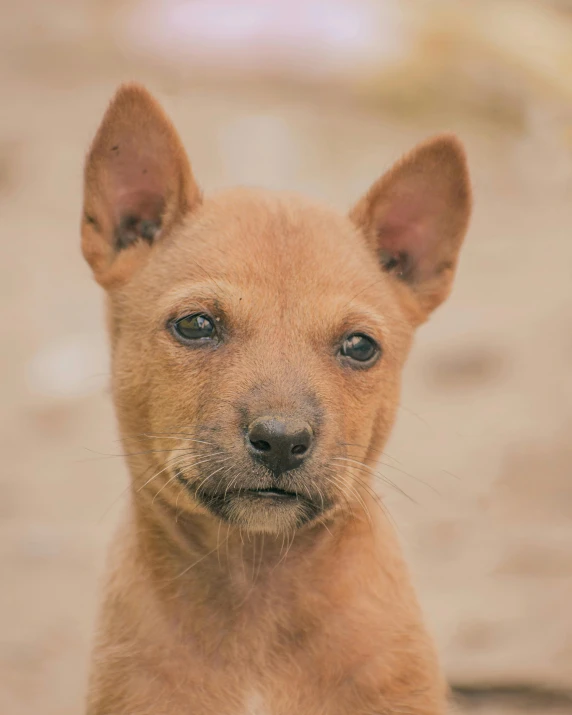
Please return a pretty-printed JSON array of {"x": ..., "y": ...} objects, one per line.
[
  {"x": 299, "y": 449},
  {"x": 261, "y": 445}
]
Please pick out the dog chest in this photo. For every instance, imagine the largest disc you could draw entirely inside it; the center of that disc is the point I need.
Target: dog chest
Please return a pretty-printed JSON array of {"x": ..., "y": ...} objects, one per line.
[{"x": 254, "y": 704}]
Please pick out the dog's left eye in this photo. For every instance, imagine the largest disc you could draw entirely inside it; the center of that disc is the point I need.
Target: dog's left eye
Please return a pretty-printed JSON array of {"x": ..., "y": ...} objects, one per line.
[
  {"x": 360, "y": 347},
  {"x": 194, "y": 327}
]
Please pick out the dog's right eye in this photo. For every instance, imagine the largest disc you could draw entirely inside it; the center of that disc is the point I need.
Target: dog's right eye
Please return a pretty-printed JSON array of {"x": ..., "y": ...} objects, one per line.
[{"x": 194, "y": 327}]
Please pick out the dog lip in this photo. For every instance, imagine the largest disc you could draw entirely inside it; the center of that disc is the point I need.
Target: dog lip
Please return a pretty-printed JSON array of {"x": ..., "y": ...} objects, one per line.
[{"x": 271, "y": 493}]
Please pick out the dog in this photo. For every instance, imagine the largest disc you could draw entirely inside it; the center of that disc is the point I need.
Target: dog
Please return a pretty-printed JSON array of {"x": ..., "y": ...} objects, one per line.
[{"x": 257, "y": 345}]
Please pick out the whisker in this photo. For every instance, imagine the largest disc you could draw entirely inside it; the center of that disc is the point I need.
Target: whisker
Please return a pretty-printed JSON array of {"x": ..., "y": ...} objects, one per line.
[
  {"x": 366, "y": 448},
  {"x": 369, "y": 470},
  {"x": 231, "y": 484},
  {"x": 188, "y": 466},
  {"x": 253, "y": 562},
  {"x": 241, "y": 548},
  {"x": 103, "y": 455},
  {"x": 455, "y": 476},
  {"x": 183, "y": 436},
  {"x": 358, "y": 496},
  {"x": 340, "y": 485},
  {"x": 123, "y": 493},
  {"x": 198, "y": 561},
  {"x": 176, "y": 460},
  {"x": 210, "y": 475},
  {"x": 402, "y": 471},
  {"x": 288, "y": 547},
  {"x": 255, "y": 579},
  {"x": 415, "y": 414},
  {"x": 373, "y": 494},
  {"x": 183, "y": 489},
  {"x": 218, "y": 542}
]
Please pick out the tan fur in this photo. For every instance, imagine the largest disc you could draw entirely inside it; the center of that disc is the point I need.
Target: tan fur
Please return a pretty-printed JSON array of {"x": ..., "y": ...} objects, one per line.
[{"x": 256, "y": 614}]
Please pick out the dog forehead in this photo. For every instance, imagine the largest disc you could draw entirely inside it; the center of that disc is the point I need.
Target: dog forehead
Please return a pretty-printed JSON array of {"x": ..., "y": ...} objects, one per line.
[{"x": 255, "y": 235}]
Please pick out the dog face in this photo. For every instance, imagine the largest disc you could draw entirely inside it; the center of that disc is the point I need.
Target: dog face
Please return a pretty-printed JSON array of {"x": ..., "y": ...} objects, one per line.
[{"x": 258, "y": 339}]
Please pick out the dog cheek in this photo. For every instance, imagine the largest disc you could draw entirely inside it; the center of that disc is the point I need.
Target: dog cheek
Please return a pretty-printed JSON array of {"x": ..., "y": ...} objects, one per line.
[{"x": 366, "y": 402}]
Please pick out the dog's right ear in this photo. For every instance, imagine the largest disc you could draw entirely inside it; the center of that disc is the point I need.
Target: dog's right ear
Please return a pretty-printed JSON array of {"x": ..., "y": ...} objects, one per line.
[{"x": 138, "y": 185}]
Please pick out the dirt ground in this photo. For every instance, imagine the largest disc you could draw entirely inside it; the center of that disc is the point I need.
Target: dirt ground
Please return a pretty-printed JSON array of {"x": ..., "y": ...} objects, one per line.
[{"x": 483, "y": 440}]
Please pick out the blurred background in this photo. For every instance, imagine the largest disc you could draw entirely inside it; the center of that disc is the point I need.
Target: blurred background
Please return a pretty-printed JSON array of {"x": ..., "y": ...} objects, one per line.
[{"x": 319, "y": 96}]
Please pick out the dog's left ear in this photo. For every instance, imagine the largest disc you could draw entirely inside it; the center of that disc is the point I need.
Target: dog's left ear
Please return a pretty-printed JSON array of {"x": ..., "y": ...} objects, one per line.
[
  {"x": 138, "y": 185},
  {"x": 415, "y": 218}
]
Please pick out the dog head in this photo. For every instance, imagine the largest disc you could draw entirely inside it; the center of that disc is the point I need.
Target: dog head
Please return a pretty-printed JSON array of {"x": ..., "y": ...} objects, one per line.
[{"x": 258, "y": 339}]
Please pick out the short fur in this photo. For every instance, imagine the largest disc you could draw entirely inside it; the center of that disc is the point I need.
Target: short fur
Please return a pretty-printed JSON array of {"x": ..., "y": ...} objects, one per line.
[{"x": 259, "y": 608}]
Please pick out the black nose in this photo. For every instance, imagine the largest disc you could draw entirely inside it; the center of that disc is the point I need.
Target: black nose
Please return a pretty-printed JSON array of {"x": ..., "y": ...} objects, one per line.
[{"x": 279, "y": 443}]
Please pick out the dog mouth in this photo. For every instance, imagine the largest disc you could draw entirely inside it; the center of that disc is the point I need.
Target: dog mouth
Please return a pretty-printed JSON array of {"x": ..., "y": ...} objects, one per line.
[
  {"x": 254, "y": 493},
  {"x": 271, "y": 493},
  {"x": 266, "y": 496},
  {"x": 262, "y": 507}
]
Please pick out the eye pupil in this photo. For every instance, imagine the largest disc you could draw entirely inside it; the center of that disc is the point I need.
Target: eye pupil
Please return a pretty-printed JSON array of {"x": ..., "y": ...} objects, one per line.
[
  {"x": 359, "y": 347},
  {"x": 195, "y": 327}
]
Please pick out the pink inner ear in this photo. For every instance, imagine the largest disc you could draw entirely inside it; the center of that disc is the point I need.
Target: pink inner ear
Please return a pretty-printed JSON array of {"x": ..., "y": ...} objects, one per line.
[
  {"x": 136, "y": 187},
  {"x": 134, "y": 180},
  {"x": 407, "y": 230},
  {"x": 142, "y": 203}
]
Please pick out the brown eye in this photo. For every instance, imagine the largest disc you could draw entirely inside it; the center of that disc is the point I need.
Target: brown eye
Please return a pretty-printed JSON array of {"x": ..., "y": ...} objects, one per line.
[
  {"x": 360, "y": 347},
  {"x": 194, "y": 327}
]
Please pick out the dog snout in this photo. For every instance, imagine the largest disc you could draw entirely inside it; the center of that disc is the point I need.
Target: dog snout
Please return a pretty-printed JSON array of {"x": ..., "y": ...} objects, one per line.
[{"x": 280, "y": 443}]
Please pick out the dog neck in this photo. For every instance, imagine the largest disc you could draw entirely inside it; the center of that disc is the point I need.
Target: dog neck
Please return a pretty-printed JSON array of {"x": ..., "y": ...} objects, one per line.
[{"x": 191, "y": 553}]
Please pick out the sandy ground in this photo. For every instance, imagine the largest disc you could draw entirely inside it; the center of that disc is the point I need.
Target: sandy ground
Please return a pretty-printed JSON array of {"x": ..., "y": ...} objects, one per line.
[{"x": 483, "y": 437}]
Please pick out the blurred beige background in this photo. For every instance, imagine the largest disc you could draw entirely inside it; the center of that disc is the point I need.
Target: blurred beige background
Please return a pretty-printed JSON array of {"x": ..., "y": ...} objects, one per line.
[{"x": 319, "y": 97}]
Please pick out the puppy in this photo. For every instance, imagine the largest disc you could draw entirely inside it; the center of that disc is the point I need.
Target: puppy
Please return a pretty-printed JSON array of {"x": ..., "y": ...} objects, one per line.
[{"x": 257, "y": 345}]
